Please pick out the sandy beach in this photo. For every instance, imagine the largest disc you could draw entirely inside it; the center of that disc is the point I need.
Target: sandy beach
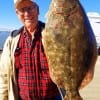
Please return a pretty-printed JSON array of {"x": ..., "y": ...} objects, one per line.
[{"x": 92, "y": 90}]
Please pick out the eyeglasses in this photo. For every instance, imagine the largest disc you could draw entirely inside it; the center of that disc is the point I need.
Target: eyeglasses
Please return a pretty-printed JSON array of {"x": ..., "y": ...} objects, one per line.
[{"x": 26, "y": 9}]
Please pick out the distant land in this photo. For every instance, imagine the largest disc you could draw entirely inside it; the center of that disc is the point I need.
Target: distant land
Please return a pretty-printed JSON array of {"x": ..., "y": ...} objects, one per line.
[{"x": 4, "y": 29}]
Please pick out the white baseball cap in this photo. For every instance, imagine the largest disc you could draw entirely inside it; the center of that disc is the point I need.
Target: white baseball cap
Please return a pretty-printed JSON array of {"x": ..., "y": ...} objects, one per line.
[{"x": 17, "y": 2}]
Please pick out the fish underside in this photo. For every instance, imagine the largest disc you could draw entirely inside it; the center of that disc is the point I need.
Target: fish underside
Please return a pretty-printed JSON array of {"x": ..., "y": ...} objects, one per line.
[{"x": 69, "y": 44}]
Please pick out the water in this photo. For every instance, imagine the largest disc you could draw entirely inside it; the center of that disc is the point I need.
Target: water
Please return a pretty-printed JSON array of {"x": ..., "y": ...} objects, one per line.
[{"x": 3, "y": 37}]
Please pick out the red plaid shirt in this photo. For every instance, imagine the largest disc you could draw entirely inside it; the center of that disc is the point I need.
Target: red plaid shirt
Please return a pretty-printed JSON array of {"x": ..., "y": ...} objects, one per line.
[{"x": 32, "y": 69}]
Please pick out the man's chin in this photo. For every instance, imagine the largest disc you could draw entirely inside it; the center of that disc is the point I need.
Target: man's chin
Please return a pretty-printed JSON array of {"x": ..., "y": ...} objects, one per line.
[{"x": 28, "y": 24}]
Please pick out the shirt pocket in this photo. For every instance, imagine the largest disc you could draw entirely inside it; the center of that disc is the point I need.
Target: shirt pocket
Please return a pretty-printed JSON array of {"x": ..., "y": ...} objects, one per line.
[{"x": 43, "y": 61}]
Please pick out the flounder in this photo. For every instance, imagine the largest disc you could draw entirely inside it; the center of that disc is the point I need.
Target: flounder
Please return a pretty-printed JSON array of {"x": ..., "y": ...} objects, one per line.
[{"x": 70, "y": 46}]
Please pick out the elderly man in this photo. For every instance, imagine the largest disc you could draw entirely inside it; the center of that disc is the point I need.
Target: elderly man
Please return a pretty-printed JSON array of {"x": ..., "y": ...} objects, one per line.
[{"x": 24, "y": 73}]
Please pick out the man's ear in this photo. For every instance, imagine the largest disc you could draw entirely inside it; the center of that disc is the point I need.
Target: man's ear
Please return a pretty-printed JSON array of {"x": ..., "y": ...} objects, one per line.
[{"x": 16, "y": 11}]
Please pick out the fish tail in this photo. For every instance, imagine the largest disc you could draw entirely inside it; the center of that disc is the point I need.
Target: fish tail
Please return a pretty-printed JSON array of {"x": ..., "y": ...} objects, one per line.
[{"x": 72, "y": 96}]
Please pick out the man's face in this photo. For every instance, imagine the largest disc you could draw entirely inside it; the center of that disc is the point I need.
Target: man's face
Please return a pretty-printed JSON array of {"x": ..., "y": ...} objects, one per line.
[{"x": 28, "y": 13}]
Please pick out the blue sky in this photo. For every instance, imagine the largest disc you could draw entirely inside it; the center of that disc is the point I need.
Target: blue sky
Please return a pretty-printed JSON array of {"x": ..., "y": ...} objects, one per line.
[{"x": 8, "y": 17}]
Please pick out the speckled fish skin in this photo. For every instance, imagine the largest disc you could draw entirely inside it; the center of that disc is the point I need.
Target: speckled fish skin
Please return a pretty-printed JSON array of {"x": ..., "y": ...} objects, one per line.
[{"x": 69, "y": 44}]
